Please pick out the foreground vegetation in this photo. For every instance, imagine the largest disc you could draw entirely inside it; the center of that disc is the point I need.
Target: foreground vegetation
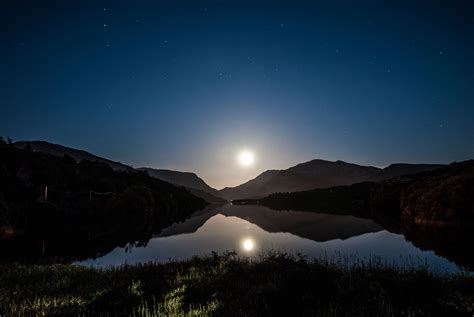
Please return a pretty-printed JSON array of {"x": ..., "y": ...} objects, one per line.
[{"x": 232, "y": 286}]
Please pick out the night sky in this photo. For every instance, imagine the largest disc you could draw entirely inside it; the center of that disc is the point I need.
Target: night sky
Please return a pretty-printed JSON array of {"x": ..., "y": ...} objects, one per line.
[{"x": 186, "y": 85}]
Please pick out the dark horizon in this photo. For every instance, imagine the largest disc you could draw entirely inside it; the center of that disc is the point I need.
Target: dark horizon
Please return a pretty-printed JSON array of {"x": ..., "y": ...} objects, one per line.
[{"x": 189, "y": 86}]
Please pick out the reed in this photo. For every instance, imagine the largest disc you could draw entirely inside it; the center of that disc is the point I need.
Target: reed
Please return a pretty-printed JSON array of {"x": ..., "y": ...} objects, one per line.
[{"x": 217, "y": 285}]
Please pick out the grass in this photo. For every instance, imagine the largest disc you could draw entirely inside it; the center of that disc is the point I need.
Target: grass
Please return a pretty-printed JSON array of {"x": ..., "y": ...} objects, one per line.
[{"x": 226, "y": 285}]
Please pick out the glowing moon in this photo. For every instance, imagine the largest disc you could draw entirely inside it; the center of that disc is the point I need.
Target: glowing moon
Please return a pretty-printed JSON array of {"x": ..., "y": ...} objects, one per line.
[
  {"x": 246, "y": 158},
  {"x": 248, "y": 245}
]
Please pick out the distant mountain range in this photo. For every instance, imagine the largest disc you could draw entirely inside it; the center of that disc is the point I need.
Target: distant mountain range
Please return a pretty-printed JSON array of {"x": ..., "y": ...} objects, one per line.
[
  {"x": 305, "y": 176},
  {"x": 318, "y": 174},
  {"x": 78, "y": 155},
  {"x": 189, "y": 180}
]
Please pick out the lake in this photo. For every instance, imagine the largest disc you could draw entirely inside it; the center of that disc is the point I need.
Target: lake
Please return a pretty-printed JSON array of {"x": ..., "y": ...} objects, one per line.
[{"x": 253, "y": 230}]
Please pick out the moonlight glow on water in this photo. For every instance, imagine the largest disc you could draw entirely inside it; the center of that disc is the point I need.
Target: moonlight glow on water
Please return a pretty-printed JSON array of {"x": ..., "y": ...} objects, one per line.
[{"x": 254, "y": 230}]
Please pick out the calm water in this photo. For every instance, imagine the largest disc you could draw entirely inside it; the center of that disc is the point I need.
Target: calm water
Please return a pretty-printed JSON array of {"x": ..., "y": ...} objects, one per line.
[{"x": 251, "y": 230}]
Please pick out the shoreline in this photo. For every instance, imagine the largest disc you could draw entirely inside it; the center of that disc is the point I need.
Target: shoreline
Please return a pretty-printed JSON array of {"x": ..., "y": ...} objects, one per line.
[{"x": 228, "y": 285}]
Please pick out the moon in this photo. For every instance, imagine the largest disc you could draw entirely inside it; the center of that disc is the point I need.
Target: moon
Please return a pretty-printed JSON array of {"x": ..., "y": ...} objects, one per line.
[
  {"x": 248, "y": 245},
  {"x": 246, "y": 158}
]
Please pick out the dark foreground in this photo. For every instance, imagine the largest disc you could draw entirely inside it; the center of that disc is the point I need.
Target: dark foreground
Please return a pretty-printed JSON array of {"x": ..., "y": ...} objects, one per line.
[{"x": 227, "y": 285}]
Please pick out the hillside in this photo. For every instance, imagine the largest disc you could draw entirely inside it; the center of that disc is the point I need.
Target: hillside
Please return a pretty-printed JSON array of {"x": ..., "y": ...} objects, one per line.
[
  {"x": 60, "y": 151},
  {"x": 440, "y": 197},
  {"x": 434, "y": 209},
  {"x": 444, "y": 197},
  {"x": 45, "y": 196},
  {"x": 317, "y": 174},
  {"x": 400, "y": 169},
  {"x": 189, "y": 180},
  {"x": 250, "y": 189}
]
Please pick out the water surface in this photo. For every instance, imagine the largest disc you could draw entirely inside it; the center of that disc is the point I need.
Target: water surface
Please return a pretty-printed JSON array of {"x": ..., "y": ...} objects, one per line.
[{"x": 253, "y": 230}]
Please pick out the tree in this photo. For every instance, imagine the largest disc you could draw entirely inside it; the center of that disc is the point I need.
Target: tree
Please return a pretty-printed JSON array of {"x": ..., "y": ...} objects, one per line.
[
  {"x": 2, "y": 140},
  {"x": 9, "y": 140}
]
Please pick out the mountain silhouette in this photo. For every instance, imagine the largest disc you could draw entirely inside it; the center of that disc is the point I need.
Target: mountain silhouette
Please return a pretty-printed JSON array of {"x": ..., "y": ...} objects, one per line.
[
  {"x": 400, "y": 169},
  {"x": 251, "y": 188},
  {"x": 78, "y": 155},
  {"x": 189, "y": 180},
  {"x": 317, "y": 174},
  {"x": 305, "y": 176}
]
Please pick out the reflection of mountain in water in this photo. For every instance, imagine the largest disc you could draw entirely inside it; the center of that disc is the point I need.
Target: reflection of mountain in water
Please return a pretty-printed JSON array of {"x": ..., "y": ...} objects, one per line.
[{"x": 315, "y": 226}]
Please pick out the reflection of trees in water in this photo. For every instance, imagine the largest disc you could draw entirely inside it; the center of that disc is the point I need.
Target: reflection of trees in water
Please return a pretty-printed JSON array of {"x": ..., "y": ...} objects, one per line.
[
  {"x": 453, "y": 244},
  {"x": 440, "y": 198},
  {"x": 51, "y": 243},
  {"x": 58, "y": 207}
]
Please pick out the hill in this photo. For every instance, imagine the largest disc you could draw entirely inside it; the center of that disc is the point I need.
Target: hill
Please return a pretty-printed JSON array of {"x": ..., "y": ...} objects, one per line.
[
  {"x": 434, "y": 209},
  {"x": 317, "y": 174},
  {"x": 60, "y": 151},
  {"x": 189, "y": 180},
  {"x": 46, "y": 196},
  {"x": 401, "y": 169},
  {"x": 252, "y": 188}
]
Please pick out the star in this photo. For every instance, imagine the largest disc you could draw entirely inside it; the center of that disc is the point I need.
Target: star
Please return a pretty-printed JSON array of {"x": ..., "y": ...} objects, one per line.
[
  {"x": 281, "y": 25},
  {"x": 440, "y": 52},
  {"x": 105, "y": 25}
]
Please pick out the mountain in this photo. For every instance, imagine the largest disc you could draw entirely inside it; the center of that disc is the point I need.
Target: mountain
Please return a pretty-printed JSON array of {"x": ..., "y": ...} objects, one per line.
[
  {"x": 395, "y": 170},
  {"x": 189, "y": 180},
  {"x": 46, "y": 196},
  {"x": 304, "y": 176},
  {"x": 433, "y": 209},
  {"x": 444, "y": 197},
  {"x": 77, "y": 155},
  {"x": 317, "y": 174},
  {"x": 250, "y": 189}
]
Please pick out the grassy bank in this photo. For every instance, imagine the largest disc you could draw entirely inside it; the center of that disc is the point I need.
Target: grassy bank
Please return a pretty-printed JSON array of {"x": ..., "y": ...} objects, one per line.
[{"x": 231, "y": 286}]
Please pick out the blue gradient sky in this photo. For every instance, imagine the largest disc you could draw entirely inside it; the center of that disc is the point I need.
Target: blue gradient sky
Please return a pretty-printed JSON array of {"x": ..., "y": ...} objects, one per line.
[{"x": 185, "y": 85}]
